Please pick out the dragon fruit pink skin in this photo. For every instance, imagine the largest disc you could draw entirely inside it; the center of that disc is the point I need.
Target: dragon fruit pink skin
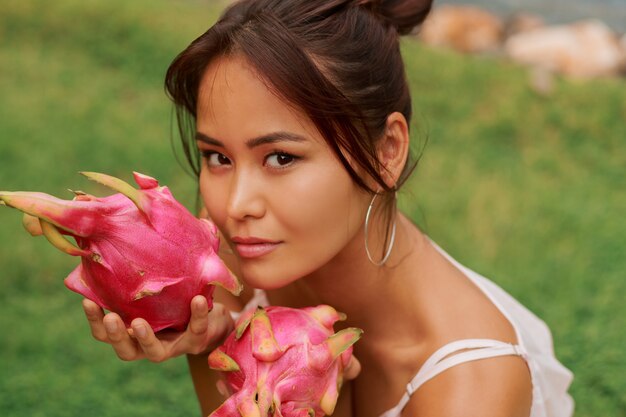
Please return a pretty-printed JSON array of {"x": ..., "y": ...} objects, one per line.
[
  {"x": 285, "y": 362},
  {"x": 143, "y": 253}
]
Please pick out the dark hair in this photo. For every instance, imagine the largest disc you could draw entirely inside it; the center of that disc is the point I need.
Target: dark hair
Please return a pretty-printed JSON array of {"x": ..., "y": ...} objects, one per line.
[{"x": 337, "y": 60}]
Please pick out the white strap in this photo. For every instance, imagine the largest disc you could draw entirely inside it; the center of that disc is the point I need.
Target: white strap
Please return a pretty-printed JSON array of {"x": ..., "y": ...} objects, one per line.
[
  {"x": 455, "y": 346},
  {"x": 468, "y": 356},
  {"x": 439, "y": 362},
  {"x": 395, "y": 411}
]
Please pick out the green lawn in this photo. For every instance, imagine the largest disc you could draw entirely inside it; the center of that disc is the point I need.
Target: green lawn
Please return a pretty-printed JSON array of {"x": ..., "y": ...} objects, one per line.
[{"x": 526, "y": 189}]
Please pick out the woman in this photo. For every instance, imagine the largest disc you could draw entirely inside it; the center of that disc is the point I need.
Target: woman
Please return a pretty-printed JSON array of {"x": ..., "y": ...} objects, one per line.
[{"x": 300, "y": 110}]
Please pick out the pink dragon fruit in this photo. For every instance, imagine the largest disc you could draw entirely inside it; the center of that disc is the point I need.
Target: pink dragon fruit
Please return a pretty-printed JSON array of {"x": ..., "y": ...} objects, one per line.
[
  {"x": 285, "y": 362},
  {"x": 143, "y": 253}
]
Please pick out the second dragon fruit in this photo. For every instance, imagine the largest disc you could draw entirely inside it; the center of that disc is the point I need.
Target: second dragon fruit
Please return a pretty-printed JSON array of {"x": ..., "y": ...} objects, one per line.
[{"x": 283, "y": 362}]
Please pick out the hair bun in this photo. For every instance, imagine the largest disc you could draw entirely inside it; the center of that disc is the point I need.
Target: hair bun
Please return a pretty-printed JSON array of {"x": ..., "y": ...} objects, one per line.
[{"x": 404, "y": 15}]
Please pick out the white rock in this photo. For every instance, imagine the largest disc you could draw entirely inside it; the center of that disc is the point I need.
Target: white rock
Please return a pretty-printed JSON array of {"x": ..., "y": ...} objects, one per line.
[
  {"x": 464, "y": 28},
  {"x": 585, "y": 49}
]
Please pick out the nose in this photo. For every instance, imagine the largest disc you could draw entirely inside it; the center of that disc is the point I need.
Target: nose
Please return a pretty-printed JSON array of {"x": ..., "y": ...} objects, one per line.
[{"x": 245, "y": 199}]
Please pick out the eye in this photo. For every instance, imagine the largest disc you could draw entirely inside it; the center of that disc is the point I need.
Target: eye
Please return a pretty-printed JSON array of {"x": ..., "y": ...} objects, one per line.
[
  {"x": 280, "y": 160},
  {"x": 215, "y": 159}
]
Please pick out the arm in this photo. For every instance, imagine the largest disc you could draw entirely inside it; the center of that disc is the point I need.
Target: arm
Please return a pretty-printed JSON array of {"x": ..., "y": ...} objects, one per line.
[
  {"x": 204, "y": 381},
  {"x": 494, "y": 387}
]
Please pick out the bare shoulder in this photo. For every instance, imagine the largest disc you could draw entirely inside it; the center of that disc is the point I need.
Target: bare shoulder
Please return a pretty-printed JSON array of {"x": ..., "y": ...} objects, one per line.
[{"x": 494, "y": 387}]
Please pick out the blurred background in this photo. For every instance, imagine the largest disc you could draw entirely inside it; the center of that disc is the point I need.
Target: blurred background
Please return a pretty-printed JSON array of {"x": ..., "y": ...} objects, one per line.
[
  {"x": 521, "y": 178},
  {"x": 613, "y": 12}
]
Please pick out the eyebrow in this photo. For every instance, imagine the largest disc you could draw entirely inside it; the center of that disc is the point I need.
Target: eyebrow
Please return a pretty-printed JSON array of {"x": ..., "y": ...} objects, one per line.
[{"x": 273, "y": 137}]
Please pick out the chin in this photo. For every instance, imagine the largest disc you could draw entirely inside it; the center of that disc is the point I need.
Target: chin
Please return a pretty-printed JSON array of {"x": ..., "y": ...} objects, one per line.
[{"x": 265, "y": 277}]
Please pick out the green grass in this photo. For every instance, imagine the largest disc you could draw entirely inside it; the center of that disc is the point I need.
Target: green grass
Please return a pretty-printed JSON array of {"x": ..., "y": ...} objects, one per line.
[
  {"x": 531, "y": 191},
  {"x": 526, "y": 189}
]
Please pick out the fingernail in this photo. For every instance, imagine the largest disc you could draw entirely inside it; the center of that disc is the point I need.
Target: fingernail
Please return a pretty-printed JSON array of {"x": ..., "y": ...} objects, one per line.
[
  {"x": 111, "y": 326},
  {"x": 140, "y": 331},
  {"x": 198, "y": 307}
]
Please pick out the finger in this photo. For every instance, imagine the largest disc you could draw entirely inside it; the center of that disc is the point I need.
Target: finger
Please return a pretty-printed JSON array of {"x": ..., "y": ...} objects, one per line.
[
  {"x": 353, "y": 369},
  {"x": 206, "y": 328},
  {"x": 201, "y": 328},
  {"x": 125, "y": 347},
  {"x": 199, "y": 321},
  {"x": 219, "y": 323},
  {"x": 94, "y": 315},
  {"x": 152, "y": 347}
]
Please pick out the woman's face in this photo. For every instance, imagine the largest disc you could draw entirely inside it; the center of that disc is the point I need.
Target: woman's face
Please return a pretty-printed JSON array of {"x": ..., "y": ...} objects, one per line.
[{"x": 283, "y": 201}]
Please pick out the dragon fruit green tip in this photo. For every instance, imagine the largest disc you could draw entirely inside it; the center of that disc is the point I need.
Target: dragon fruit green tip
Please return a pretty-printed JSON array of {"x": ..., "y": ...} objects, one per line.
[{"x": 143, "y": 254}]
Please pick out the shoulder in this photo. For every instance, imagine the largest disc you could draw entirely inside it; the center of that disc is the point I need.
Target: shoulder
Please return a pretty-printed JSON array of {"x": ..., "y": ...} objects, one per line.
[{"x": 493, "y": 387}]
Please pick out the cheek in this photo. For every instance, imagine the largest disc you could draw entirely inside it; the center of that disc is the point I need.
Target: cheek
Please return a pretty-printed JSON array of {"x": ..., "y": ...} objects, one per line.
[
  {"x": 323, "y": 215},
  {"x": 317, "y": 220},
  {"x": 316, "y": 211},
  {"x": 324, "y": 204}
]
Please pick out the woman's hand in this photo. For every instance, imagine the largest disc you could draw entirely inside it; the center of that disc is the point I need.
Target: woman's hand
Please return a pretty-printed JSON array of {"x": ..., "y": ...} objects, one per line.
[{"x": 206, "y": 330}]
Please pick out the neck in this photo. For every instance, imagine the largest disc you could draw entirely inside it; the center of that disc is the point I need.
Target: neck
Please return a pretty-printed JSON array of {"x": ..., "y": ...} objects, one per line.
[{"x": 373, "y": 297}]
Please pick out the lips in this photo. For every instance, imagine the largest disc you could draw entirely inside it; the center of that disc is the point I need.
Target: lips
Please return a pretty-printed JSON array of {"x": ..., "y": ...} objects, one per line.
[{"x": 254, "y": 247}]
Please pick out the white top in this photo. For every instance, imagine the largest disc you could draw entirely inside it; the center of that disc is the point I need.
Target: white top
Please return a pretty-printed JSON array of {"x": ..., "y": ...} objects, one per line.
[{"x": 550, "y": 379}]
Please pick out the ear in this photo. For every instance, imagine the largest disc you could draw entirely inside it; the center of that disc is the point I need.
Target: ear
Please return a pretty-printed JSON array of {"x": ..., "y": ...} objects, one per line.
[{"x": 393, "y": 148}]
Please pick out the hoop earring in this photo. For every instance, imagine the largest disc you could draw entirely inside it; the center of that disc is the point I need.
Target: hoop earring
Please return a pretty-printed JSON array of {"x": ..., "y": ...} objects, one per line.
[{"x": 391, "y": 241}]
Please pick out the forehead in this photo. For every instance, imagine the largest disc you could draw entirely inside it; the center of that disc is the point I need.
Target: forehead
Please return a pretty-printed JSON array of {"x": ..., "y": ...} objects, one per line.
[{"x": 234, "y": 101}]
